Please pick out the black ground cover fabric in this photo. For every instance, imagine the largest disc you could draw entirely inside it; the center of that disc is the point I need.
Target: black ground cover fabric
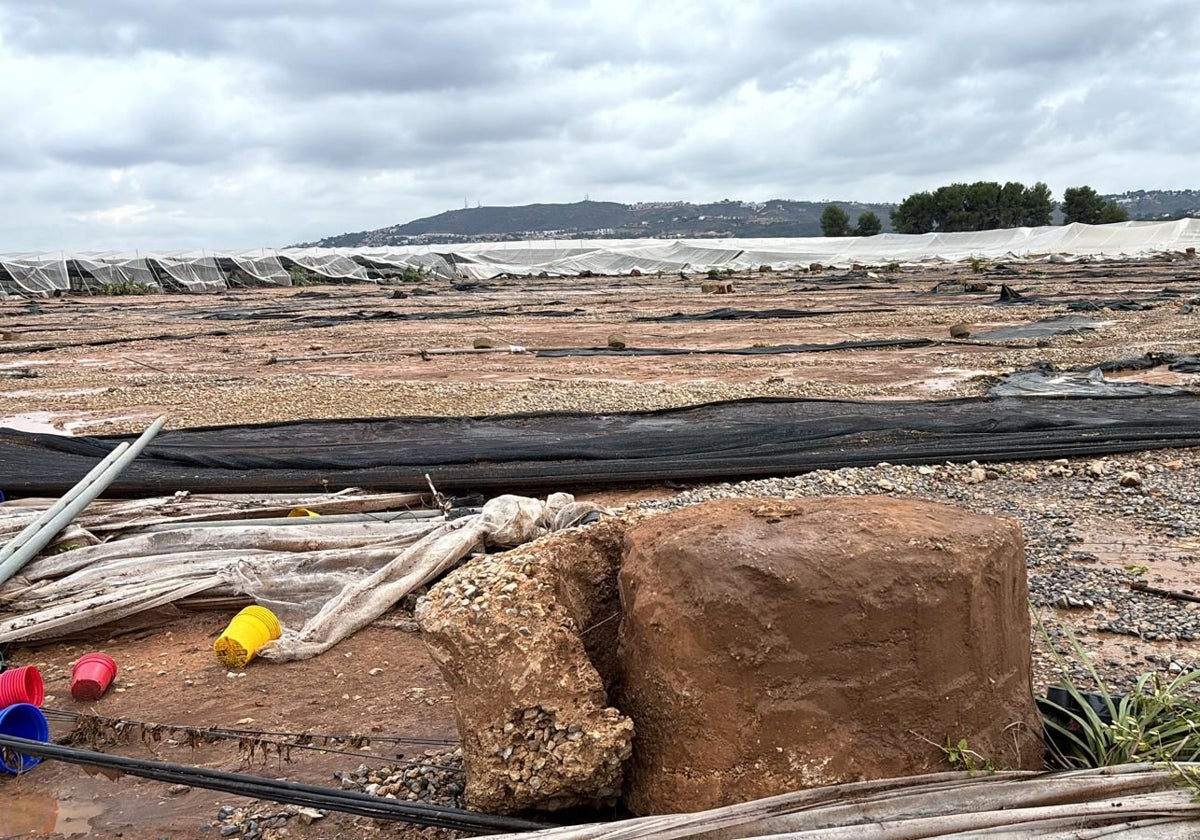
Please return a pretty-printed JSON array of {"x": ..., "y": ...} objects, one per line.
[
  {"x": 333, "y": 319},
  {"x": 770, "y": 350},
  {"x": 729, "y": 314},
  {"x": 1175, "y": 362},
  {"x": 515, "y": 453}
]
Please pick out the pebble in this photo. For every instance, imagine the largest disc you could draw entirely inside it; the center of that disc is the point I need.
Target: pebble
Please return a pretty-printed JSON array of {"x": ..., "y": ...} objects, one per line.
[
  {"x": 436, "y": 777},
  {"x": 251, "y": 823}
]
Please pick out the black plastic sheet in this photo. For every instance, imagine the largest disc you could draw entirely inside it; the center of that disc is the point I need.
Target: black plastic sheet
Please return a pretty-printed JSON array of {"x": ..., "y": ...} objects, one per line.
[
  {"x": 729, "y": 314},
  {"x": 770, "y": 350},
  {"x": 563, "y": 451}
]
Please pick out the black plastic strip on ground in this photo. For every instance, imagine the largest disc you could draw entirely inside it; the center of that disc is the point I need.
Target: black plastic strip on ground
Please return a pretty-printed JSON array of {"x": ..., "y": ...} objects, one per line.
[
  {"x": 562, "y": 451},
  {"x": 291, "y": 793},
  {"x": 728, "y": 314},
  {"x": 775, "y": 349}
]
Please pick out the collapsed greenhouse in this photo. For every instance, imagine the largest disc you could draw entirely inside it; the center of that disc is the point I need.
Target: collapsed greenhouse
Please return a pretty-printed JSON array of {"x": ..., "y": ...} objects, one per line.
[{"x": 213, "y": 271}]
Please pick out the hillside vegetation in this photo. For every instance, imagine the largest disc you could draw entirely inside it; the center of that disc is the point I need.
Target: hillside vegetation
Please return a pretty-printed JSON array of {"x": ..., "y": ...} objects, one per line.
[{"x": 684, "y": 220}]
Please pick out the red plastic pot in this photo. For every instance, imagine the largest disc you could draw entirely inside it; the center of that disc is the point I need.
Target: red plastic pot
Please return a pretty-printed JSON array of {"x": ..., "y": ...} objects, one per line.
[
  {"x": 93, "y": 674},
  {"x": 21, "y": 685}
]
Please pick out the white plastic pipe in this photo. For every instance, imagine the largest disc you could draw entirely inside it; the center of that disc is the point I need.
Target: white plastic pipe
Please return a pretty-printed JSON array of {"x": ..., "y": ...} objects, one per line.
[
  {"x": 50, "y": 512},
  {"x": 81, "y": 498}
]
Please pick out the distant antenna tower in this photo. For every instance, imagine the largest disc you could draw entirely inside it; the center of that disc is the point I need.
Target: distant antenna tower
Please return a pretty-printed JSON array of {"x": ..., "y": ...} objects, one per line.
[
  {"x": 464, "y": 202},
  {"x": 587, "y": 196}
]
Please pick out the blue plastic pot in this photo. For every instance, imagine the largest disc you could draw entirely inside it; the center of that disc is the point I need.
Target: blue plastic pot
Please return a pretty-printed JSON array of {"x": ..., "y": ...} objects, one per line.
[{"x": 21, "y": 720}]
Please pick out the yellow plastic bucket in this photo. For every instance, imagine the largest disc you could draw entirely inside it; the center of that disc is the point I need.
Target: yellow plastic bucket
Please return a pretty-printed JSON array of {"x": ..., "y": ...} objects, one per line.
[{"x": 247, "y": 632}]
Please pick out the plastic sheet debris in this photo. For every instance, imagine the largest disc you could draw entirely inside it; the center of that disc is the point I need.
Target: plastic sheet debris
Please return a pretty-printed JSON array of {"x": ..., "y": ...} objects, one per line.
[
  {"x": 325, "y": 580},
  {"x": 1048, "y": 381},
  {"x": 1174, "y": 362},
  {"x": 1045, "y": 328}
]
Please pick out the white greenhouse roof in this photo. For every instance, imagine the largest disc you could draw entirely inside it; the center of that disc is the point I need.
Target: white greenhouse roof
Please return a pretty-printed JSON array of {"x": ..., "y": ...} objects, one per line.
[{"x": 210, "y": 271}]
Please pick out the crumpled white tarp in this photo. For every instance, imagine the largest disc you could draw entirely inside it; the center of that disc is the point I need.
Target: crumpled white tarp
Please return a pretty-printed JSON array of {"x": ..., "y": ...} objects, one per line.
[
  {"x": 324, "y": 580},
  {"x": 42, "y": 273},
  {"x": 504, "y": 522}
]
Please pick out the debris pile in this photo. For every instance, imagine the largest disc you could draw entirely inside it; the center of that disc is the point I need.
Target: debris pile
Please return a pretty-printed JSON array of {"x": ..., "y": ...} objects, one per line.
[{"x": 437, "y": 778}]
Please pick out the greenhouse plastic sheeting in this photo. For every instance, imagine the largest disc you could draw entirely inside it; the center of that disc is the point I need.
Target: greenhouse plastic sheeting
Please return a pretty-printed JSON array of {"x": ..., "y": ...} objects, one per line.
[
  {"x": 33, "y": 273},
  {"x": 717, "y": 441},
  {"x": 41, "y": 273}
]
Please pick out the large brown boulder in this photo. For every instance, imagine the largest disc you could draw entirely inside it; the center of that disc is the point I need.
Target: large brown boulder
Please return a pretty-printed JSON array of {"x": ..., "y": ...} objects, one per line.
[{"x": 769, "y": 645}]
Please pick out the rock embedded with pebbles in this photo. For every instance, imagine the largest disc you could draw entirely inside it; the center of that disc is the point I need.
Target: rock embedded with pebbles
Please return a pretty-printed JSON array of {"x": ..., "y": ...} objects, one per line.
[{"x": 516, "y": 635}]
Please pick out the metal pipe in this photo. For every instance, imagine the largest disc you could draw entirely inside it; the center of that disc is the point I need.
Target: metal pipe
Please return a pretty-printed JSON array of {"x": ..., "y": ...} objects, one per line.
[
  {"x": 36, "y": 525},
  {"x": 29, "y": 549}
]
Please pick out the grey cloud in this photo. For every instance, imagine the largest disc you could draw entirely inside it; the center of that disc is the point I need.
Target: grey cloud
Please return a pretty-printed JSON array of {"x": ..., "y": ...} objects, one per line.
[{"x": 277, "y": 120}]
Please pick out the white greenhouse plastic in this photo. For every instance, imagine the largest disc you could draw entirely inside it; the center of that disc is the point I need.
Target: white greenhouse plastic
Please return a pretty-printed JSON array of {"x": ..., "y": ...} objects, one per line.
[{"x": 211, "y": 271}]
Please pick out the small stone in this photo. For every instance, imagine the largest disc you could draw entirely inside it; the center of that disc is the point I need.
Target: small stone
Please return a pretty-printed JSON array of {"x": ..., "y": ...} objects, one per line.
[
  {"x": 311, "y": 815},
  {"x": 976, "y": 476},
  {"x": 1130, "y": 479}
]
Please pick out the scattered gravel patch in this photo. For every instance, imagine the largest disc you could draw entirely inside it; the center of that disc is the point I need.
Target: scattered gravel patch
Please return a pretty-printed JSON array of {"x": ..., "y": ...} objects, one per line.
[{"x": 437, "y": 778}]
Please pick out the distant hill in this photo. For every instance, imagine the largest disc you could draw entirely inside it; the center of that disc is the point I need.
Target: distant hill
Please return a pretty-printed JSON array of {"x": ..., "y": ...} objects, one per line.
[
  {"x": 1153, "y": 205},
  {"x": 608, "y": 220},
  {"x": 676, "y": 219}
]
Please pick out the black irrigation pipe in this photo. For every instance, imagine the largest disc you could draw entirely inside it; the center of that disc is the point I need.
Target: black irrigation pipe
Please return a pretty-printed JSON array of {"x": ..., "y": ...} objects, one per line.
[
  {"x": 65, "y": 714},
  {"x": 290, "y": 793},
  {"x": 267, "y": 741}
]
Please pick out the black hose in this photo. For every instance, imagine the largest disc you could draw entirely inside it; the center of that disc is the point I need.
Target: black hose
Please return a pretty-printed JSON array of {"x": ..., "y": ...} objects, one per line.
[{"x": 291, "y": 793}]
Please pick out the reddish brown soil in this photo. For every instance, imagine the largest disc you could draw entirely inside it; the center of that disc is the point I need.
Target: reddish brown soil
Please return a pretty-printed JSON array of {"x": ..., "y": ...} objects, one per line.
[{"x": 333, "y": 694}]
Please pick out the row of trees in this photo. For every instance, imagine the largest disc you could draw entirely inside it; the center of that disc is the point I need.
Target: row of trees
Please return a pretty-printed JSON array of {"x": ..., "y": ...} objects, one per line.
[
  {"x": 836, "y": 222},
  {"x": 1083, "y": 204},
  {"x": 983, "y": 205}
]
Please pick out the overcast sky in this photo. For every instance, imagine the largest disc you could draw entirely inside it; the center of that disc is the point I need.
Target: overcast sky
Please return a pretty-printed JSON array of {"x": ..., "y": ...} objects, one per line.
[{"x": 246, "y": 123}]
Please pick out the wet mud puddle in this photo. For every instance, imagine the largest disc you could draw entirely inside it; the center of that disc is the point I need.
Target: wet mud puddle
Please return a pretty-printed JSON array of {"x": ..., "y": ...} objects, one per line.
[{"x": 29, "y": 812}]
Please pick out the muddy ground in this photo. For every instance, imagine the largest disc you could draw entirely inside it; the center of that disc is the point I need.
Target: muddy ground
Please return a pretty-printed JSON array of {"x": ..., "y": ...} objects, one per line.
[{"x": 89, "y": 365}]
